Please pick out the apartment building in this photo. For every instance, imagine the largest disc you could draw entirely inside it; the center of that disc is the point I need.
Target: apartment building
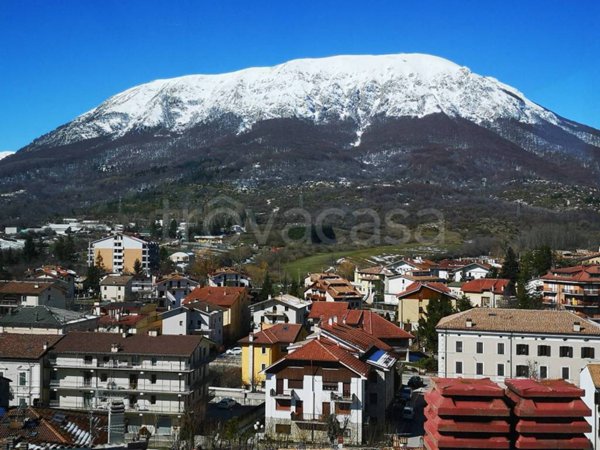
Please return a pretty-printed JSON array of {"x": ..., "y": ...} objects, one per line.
[
  {"x": 46, "y": 320},
  {"x": 486, "y": 292},
  {"x": 227, "y": 276},
  {"x": 23, "y": 360},
  {"x": 198, "y": 317},
  {"x": 514, "y": 343},
  {"x": 334, "y": 289},
  {"x": 283, "y": 308},
  {"x": 157, "y": 378},
  {"x": 173, "y": 288},
  {"x": 370, "y": 281},
  {"x": 412, "y": 304},
  {"x": 575, "y": 288},
  {"x": 119, "y": 253}
]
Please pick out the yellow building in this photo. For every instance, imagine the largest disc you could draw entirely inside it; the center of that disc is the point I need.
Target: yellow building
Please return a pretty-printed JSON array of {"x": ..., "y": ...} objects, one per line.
[
  {"x": 261, "y": 349},
  {"x": 119, "y": 253},
  {"x": 413, "y": 303}
]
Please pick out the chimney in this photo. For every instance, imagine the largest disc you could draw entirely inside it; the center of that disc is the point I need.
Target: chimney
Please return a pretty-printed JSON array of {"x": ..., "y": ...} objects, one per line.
[
  {"x": 335, "y": 320},
  {"x": 469, "y": 323},
  {"x": 114, "y": 348},
  {"x": 251, "y": 337},
  {"x": 330, "y": 321},
  {"x": 123, "y": 333},
  {"x": 45, "y": 345},
  {"x": 577, "y": 326}
]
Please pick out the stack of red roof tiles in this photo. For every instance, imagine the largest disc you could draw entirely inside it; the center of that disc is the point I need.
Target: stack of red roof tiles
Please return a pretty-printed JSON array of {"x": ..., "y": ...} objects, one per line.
[
  {"x": 548, "y": 414},
  {"x": 529, "y": 414},
  {"x": 466, "y": 413}
]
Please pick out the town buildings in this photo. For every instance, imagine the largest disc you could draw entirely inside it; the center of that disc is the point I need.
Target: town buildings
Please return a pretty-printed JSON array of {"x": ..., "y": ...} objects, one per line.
[
  {"x": 328, "y": 288},
  {"x": 589, "y": 381},
  {"x": 576, "y": 288},
  {"x": 227, "y": 276},
  {"x": 30, "y": 293},
  {"x": 412, "y": 304},
  {"x": 23, "y": 360},
  {"x": 116, "y": 288},
  {"x": 118, "y": 253},
  {"x": 201, "y": 318},
  {"x": 283, "y": 308},
  {"x": 46, "y": 320},
  {"x": 512, "y": 343},
  {"x": 486, "y": 292},
  {"x": 173, "y": 288},
  {"x": 157, "y": 378}
]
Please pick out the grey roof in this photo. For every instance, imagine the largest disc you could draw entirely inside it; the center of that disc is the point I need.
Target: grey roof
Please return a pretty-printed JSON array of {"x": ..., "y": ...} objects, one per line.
[{"x": 41, "y": 317}]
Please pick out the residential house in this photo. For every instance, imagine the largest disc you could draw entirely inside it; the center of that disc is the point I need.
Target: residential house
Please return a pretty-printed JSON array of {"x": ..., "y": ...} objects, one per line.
[
  {"x": 127, "y": 317},
  {"x": 46, "y": 320},
  {"x": 409, "y": 266},
  {"x": 370, "y": 281},
  {"x": 576, "y": 288},
  {"x": 594, "y": 259},
  {"x": 227, "y": 276},
  {"x": 513, "y": 343},
  {"x": 197, "y": 317},
  {"x": 472, "y": 271},
  {"x": 23, "y": 360},
  {"x": 486, "y": 292},
  {"x": 341, "y": 372},
  {"x": 116, "y": 288},
  {"x": 461, "y": 269},
  {"x": 396, "y": 284},
  {"x": 283, "y": 308},
  {"x": 64, "y": 277},
  {"x": 412, "y": 304},
  {"x": 261, "y": 349},
  {"x": 30, "y": 293},
  {"x": 157, "y": 378},
  {"x": 311, "y": 278},
  {"x": 173, "y": 289},
  {"x": 324, "y": 310},
  {"x": 337, "y": 289},
  {"x": 236, "y": 308},
  {"x": 119, "y": 253}
]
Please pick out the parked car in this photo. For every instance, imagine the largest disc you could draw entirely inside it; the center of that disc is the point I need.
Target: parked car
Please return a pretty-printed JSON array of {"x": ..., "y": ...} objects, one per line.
[
  {"x": 408, "y": 413},
  {"x": 226, "y": 403},
  {"x": 234, "y": 351},
  {"x": 415, "y": 382}
]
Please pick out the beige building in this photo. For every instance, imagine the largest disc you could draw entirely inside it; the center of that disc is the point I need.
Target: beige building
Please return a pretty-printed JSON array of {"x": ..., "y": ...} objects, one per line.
[
  {"x": 119, "y": 253},
  {"x": 116, "y": 288},
  {"x": 513, "y": 343}
]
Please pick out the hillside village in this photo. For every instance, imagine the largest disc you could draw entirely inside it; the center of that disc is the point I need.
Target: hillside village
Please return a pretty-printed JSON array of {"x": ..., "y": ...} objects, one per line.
[{"x": 110, "y": 336}]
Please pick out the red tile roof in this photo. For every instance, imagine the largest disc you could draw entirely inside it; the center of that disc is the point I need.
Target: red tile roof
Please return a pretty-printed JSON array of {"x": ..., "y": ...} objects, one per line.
[
  {"x": 375, "y": 325},
  {"x": 495, "y": 285},
  {"x": 324, "y": 310},
  {"x": 324, "y": 350},
  {"x": 24, "y": 287},
  {"x": 353, "y": 336},
  {"x": 575, "y": 274},
  {"x": 225, "y": 297},
  {"x": 281, "y": 333},
  {"x": 417, "y": 286},
  {"x": 25, "y": 346}
]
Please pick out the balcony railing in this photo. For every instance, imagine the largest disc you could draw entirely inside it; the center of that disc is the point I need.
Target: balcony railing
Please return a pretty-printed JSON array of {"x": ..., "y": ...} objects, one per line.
[
  {"x": 115, "y": 387},
  {"x": 346, "y": 396},
  {"x": 282, "y": 393},
  {"x": 305, "y": 417},
  {"x": 135, "y": 408},
  {"x": 121, "y": 365}
]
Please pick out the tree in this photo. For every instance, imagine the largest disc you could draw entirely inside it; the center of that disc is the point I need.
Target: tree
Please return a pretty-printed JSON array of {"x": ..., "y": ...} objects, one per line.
[
  {"x": 94, "y": 274},
  {"x": 346, "y": 270},
  {"x": 463, "y": 303},
  {"x": 266, "y": 289},
  {"x": 29, "y": 250},
  {"x": 295, "y": 288},
  {"x": 173, "y": 229},
  {"x": 436, "y": 310},
  {"x": 137, "y": 268},
  {"x": 155, "y": 229},
  {"x": 510, "y": 267}
]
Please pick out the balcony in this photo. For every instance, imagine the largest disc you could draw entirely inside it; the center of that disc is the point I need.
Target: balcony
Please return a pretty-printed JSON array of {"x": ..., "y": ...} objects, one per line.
[
  {"x": 135, "y": 408},
  {"x": 308, "y": 418},
  {"x": 124, "y": 388},
  {"x": 120, "y": 365},
  {"x": 285, "y": 394},
  {"x": 345, "y": 397}
]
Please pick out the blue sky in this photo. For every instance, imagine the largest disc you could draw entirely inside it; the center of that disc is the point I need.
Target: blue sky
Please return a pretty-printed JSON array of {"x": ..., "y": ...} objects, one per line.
[{"x": 60, "y": 58}]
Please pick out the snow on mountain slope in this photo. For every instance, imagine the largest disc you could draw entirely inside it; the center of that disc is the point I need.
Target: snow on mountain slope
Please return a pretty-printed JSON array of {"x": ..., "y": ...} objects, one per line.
[
  {"x": 339, "y": 87},
  {"x": 5, "y": 154}
]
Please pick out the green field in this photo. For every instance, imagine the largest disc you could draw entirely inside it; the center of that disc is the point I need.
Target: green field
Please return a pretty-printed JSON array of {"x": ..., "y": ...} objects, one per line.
[{"x": 360, "y": 257}]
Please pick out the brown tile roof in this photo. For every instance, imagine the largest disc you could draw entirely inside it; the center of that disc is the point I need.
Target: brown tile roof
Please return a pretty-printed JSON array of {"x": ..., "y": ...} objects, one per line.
[
  {"x": 575, "y": 274},
  {"x": 24, "y": 287},
  {"x": 353, "y": 336},
  {"x": 25, "y": 346},
  {"x": 281, "y": 333},
  {"x": 519, "y": 321},
  {"x": 417, "y": 286},
  {"x": 375, "y": 325},
  {"x": 324, "y": 310},
  {"x": 594, "y": 370},
  {"x": 116, "y": 280},
  {"x": 203, "y": 306},
  {"x": 225, "y": 297},
  {"x": 323, "y": 350},
  {"x": 495, "y": 285},
  {"x": 165, "y": 345}
]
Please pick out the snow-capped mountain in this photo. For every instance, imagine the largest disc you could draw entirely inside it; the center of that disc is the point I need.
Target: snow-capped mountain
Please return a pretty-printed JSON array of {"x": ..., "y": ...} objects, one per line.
[
  {"x": 357, "y": 88},
  {"x": 4, "y": 154},
  {"x": 350, "y": 122}
]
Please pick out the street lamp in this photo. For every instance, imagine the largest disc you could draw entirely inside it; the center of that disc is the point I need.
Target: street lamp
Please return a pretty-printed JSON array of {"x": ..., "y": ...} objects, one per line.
[{"x": 258, "y": 428}]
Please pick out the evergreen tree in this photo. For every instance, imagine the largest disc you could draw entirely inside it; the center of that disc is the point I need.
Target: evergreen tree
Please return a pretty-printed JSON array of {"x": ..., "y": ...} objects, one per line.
[
  {"x": 29, "y": 250},
  {"x": 436, "y": 310},
  {"x": 510, "y": 267},
  {"x": 463, "y": 303},
  {"x": 173, "y": 229},
  {"x": 137, "y": 268},
  {"x": 266, "y": 288},
  {"x": 295, "y": 288}
]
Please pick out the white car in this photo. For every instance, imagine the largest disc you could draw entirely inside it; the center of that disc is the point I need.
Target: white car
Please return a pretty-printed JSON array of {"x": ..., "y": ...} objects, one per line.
[
  {"x": 408, "y": 413},
  {"x": 226, "y": 403},
  {"x": 234, "y": 351}
]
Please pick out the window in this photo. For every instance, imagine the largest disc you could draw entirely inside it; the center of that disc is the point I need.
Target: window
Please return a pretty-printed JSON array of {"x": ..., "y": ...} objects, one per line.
[
  {"x": 342, "y": 409},
  {"x": 566, "y": 352},
  {"x": 103, "y": 377},
  {"x": 459, "y": 347},
  {"x": 479, "y": 368},
  {"x": 283, "y": 405},
  {"x": 522, "y": 349},
  {"x": 281, "y": 428},
  {"x": 587, "y": 352},
  {"x": 87, "y": 359},
  {"x": 22, "y": 378},
  {"x": 152, "y": 379},
  {"x": 154, "y": 361},
  {"x": 544, "y": 350},
  {"x": 153, "y": 399},
  {"x": 565, "y": 373},
  {"x": 500, "y": 371},
  {"x": 543, "y": 372},
  {"x": 295, "y": 384},
  {"x": 522, "y": 371},
  {"x": 501, "y": 348},
  {"x": 458, "y": 367},
  {"x": 263, "y": 367},
  {"x": 263, "y": 350},
  {"x": 330, "y": 386},
  {"x": 480, "y": 347}
]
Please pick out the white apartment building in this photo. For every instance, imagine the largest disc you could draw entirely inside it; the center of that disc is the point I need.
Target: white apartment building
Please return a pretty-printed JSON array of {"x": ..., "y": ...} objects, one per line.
[
  {"x": 157, "y": 378},
  {"x": 174, "y": 288},
  {"x": 589, "y": 381},
  {"x": 513, "y": 343},
  {"x": 118, "y": 253},
  {"x": 23, "y": 361},
  {"x": 283, "y": 308},
  {"x": 200, "y": 318}
]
